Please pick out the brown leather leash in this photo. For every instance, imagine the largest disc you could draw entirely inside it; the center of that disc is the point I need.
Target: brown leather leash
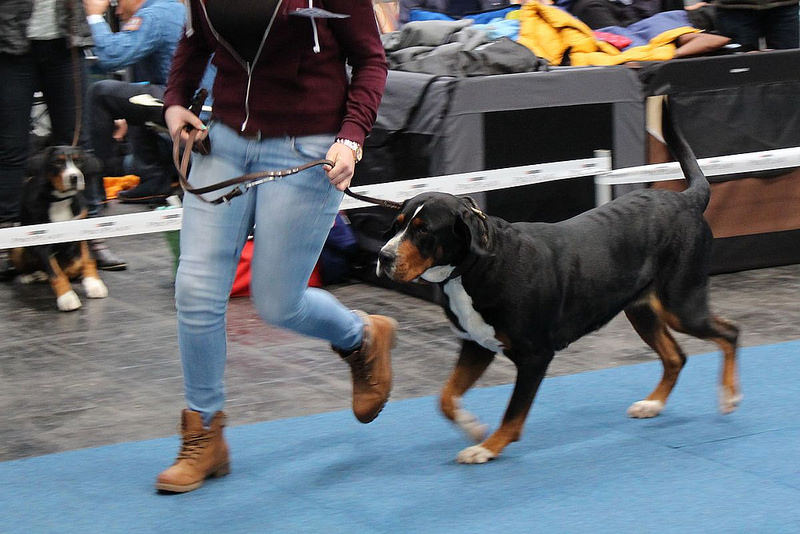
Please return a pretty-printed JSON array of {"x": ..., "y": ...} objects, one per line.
[{"x": 246, "y": 181}]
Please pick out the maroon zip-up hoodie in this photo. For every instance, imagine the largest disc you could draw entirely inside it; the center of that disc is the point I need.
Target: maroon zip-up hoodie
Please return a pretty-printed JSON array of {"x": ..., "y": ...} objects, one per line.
[{"x": 298, "y": 83}]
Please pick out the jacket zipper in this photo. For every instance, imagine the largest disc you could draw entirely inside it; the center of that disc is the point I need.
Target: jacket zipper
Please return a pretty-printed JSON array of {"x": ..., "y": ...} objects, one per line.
[{"x": 248, "y": 67}]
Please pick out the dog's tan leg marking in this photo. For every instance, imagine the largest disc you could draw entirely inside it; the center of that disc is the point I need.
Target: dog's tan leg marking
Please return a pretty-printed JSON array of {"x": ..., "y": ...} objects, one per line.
[
  {"x": 92, "y": 284},
  {"x": 730, "y": 393},
  {"x": 510, "y": 430},
  {"x": 472, "y": 362},
  {"x": 66, "y": 298},
  {"x": 725, "y": 334},
  {"x": 529, "y": 377},
  {"x": 17, "y": 258},
  {"x": 648, "y": 321}
]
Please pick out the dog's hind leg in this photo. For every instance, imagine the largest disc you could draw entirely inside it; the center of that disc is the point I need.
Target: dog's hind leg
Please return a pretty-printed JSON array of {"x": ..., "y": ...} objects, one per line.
[
  {"x": 692, "y": 317},
  {"x": 472, "y": 362},
  {"x": 530, "y": 374},
  {"x": 92, "y": 284},
  {"x": 652, "y": 329}
]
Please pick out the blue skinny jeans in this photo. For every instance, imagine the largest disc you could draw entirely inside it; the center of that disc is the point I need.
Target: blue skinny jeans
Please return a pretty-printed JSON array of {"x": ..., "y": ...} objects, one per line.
[{"x": 291, "y": 218}]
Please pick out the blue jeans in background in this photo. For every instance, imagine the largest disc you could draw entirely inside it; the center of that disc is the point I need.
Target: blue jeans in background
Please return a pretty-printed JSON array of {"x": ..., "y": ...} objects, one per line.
[{"x": 291, "y": 218}]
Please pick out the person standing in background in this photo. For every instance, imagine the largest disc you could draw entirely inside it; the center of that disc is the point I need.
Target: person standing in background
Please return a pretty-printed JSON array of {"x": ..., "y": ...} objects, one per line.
[
  {"x": 748, "y": 21},
  {"x": 149, "y": 34},
  {"x": 41, "y": 49}
]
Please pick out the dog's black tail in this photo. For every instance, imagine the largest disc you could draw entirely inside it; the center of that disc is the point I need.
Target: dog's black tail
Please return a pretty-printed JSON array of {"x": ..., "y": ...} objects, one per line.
[{"x": 699, "y": 188}]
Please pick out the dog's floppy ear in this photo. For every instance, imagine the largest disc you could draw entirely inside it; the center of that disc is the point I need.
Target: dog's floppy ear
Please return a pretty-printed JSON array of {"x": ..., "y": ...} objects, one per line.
[
  {"x": 472, "y": 224},
  {"x": 37, "y": 163}
]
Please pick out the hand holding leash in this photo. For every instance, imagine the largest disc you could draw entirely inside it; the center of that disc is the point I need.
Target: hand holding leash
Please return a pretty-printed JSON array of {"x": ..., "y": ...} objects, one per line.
[{"x": 344, "y": 165}]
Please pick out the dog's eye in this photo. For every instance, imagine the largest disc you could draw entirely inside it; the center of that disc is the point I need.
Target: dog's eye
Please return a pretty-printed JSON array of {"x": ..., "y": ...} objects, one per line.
[{"x": 419, "y": 226}]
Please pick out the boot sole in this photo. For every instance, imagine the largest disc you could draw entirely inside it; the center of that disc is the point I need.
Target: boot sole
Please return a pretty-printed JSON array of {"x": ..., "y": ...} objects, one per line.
[{"x": 221, "y": 471}]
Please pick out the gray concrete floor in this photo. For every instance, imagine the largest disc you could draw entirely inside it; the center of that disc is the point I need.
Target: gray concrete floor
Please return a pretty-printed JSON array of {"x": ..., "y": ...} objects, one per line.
[{"x": 110, "y": 372}]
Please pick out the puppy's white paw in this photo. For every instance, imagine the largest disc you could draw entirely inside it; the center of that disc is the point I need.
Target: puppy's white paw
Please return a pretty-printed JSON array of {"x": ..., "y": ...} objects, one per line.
[
  {"x": 728, "y": 401},
  {"x": 68, "y": 301},
  {"x": 95, "y": 288},
  {"x": 645, "y": 408},
  {"x": 471, "y": 425},
  {"x": 475, "y": 455},
  {"x": 31, "y": 278}
]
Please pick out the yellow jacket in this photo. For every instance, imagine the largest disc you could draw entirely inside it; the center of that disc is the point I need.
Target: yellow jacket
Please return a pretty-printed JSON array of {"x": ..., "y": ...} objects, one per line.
[{"x": 550, "y": 32}]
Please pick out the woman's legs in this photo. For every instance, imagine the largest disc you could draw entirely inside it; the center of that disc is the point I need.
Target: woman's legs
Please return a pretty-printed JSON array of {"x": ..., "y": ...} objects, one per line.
[{"x": 293, "y": 218}]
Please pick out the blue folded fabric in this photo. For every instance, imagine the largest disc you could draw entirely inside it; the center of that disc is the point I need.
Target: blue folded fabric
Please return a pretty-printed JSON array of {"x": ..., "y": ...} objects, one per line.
[
  {"x": 478, "y": 18},
  {"x": 499, "y": 28},
  {"x": 643, "y": 31},
  {"x": 488, "y": 16}
]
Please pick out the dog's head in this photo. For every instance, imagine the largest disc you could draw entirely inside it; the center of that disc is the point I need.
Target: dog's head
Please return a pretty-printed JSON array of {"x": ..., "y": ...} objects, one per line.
[
  {"x": 433, "y": 234},
  {"x": 60, "y": 166}
]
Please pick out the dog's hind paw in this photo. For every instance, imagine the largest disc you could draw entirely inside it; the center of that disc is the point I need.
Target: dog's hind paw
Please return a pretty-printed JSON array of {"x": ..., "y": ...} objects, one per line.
[
  {"x": 471, "y": 425},
  {"x": 95, "y": 288},
  {"x": 68, "y": 301},
  {"x": 728, "y": 401},
  {"x": 476, "y": 454},
  {"x": 645, "y": 408}
]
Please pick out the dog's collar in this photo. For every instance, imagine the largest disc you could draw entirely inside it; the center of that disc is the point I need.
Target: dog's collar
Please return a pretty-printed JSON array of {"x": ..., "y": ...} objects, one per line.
[
  {"x": 461, "y": 268},
  {"x": 57, "y": 196}
]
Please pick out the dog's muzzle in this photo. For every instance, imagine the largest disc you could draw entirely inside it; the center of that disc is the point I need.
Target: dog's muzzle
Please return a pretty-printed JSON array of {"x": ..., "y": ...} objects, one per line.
[
  {"x": 72, "y": 177},
  {"x": 386, "y": 261}
]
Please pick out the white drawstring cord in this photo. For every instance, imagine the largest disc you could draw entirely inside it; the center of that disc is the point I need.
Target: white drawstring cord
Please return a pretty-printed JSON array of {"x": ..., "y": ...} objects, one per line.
[{"x": 317, "y": 48}]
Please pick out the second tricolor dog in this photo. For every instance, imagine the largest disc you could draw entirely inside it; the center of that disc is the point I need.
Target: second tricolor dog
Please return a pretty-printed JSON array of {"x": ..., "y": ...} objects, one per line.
[{"x": 54, "y": 193}]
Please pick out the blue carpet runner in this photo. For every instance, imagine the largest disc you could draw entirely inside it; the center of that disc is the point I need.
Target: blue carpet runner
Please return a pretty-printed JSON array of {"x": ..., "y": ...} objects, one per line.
[{"x": 582, "y": 466}]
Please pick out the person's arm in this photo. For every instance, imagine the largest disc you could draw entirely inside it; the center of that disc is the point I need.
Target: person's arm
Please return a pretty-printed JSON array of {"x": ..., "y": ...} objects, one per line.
[
  {"x": 138, "y": 37},
  {"x": 361, "y": 44}
]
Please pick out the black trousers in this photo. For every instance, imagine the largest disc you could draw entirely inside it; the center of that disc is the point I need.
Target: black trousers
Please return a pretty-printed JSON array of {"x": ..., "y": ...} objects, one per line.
[
  {"x": 778, "y": 26},
  {"x": 48, "y": 67},
  {"x": 110, "y": 100}
]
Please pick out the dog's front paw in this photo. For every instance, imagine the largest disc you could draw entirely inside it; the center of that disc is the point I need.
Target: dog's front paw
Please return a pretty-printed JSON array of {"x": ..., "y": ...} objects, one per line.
[
  {"x": 476, "y": 454},
  {"x": 728, "y": 400},
  {"x": 471, "y": 425},
  {"x": 69, "y": 301},
  {"x": 95, "y": 288},
  {"x": 32, "y": 278},
  {"x": 645, "y": 408}
]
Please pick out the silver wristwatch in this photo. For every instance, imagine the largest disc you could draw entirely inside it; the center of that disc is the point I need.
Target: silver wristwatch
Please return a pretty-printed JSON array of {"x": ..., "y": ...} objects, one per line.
[{"x": 358, "y": 152}]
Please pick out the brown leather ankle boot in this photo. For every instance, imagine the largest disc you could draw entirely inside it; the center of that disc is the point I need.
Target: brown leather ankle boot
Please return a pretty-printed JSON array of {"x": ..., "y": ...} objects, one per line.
[
  {"x": 203, "y": 454},
  {"x": 371, "y": 367}
]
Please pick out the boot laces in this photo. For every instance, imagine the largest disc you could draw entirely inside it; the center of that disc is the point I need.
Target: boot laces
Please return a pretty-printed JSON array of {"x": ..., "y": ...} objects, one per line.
[
  {"x": 194, "y": 444},
  {"x": 362, "y": 369}
]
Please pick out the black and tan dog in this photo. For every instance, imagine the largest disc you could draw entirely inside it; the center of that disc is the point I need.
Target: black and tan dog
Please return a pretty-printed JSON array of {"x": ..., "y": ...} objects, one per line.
[
  {"x": 530, "y": 289},
  {"x": 53, "y": 192}
]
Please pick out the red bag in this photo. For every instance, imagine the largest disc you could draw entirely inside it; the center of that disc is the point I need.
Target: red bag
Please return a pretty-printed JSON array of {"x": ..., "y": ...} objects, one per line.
[
  {"x": 619, "y": 41},
  {"x": 241, "y": 282}
]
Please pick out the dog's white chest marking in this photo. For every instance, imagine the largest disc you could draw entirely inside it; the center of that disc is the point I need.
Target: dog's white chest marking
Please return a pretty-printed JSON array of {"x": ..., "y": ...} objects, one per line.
[
  {"x": 61, "y": 210},
  {"x": 470, "y": 320}
]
